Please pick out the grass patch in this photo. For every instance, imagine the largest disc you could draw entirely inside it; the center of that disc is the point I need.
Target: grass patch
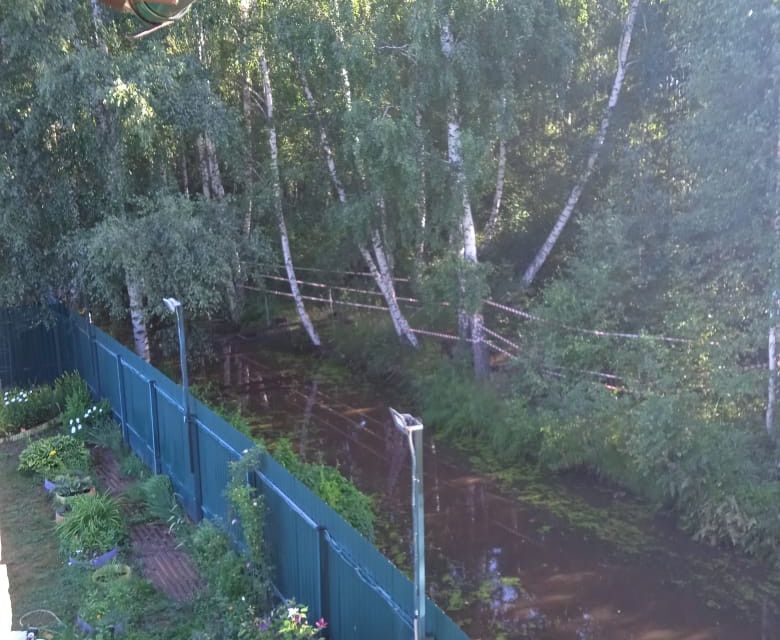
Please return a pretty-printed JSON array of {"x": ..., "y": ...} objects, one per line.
[{"x": 30, "y": 545}]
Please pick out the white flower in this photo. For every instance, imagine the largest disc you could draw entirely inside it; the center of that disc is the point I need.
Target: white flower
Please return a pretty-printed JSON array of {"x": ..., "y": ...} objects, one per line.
[
  {"x": 293, "y": 612},
  {"x": 72, "y": 430}
]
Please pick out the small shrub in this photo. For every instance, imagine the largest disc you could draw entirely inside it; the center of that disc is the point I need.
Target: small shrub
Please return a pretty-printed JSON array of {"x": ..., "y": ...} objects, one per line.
[
  {"x": 248, "y": 511},
  {"x": 25, "y": 409},
  {"x": 118, "y": 603},
  {"x": 94, "y": 525},
  {"x": 132, "y": 466},
  {"x": 84, "y": 421},
  {"x": 288, "y": 621},
  {"x": 155, "y": 495},
  {"x": 221, "y": 567},
  {"x": 54, "y": 455},
  {"x": 327, "y": 482},
  {"x": 71, "y": 385}
]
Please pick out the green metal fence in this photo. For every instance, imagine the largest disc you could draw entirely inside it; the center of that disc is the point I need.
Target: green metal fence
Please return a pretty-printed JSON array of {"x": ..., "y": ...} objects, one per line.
[
  {"x": 30, "y": 347},
  {"x": 319, "y": 559}
]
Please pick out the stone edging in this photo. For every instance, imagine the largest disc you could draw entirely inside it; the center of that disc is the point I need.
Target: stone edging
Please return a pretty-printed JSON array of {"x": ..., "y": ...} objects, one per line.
[{"x": 30, "y": 432}]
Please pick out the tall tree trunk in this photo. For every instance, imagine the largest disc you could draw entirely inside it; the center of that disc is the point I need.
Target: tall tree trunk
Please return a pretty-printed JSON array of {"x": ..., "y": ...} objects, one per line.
[
  {"x": 470, "y": 321},
  {"x": 278, "y": 208},
  {"x": 598, "y": 143},
  {"x": 246, "y": 95},
  {"x": 137, "y": 318},
  {"x": 377, "y": 263},
  {"x": 204, "y": 167},
  {"x": 215, "y": 177},
  {"x": 495, "y": 210},
  {"x": 422, "y": 199},
  {"x": 775, "y": 275},
  {"x": 185, "y": 178}
]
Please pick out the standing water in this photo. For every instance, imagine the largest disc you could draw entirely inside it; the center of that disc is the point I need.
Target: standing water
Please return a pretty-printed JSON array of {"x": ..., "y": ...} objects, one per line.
[{"x": 509, "y": 555}]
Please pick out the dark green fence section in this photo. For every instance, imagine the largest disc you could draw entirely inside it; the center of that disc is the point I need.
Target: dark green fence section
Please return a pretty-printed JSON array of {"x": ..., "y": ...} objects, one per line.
[
  {"x": 30, "y": 350},
  {"x": 318, "y": 558}
]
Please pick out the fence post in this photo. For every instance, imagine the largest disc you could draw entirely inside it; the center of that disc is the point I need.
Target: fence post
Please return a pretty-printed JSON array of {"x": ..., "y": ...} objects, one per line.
[
  {"x": 191, "y": 425},
  {"x": 322, "y": 533},
  {"x": 93, "y": 349},
  {"x": 155, "y": 426},
  {"x": 120, "y": 379}
]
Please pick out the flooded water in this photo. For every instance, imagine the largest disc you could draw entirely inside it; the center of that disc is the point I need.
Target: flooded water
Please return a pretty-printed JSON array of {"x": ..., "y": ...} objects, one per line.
[{"x": 512, "y": 555}]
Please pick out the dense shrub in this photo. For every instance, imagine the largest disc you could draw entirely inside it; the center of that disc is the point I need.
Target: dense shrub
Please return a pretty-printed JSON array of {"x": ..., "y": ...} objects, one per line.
[
  {"x": 25, "y": 409},
  {"x": 71, "y": 387},
  {"x": 93, "y": 526},
  {"x": 327, "y": 482},
  {"x": 54, "y": 455},
  {"x": 675, "y": 446}
]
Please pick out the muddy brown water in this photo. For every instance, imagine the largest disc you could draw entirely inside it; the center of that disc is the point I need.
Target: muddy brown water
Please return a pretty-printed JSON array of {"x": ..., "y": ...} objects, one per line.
[{"x": 536, "y": 558}]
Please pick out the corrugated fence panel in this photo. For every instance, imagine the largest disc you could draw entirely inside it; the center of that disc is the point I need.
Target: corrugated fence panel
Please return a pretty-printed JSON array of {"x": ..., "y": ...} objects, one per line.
[
  {"x": 174, "y": 447},
  {"x": 219, "y": 444},
  {"x": 30, "y": 350},
  {"x": 139, "y": 423},
  {"x": 376, "y": 617},
  {"x": 319, "y": 559},
  {"x": 83, "y": 353},
  {"x": 294, "y": 544}
]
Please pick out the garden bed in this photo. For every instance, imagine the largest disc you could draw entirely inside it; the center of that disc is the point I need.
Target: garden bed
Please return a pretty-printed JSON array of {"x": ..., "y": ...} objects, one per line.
[{"x": 86, "y": 575}]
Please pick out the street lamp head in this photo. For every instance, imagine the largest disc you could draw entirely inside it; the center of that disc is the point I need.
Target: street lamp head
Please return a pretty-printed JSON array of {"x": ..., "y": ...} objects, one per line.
[
  {"x": 172, "y": 304},
  {"x": 405, "y": 422}
]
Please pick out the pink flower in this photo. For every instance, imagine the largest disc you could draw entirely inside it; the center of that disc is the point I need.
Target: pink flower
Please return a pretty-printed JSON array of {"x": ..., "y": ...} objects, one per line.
[{"x": 321, "y": 624}]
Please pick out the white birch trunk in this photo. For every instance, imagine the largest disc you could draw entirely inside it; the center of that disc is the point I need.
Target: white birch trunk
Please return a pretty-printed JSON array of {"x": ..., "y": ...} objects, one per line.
[
  {"x": 495, "y": 210},
  {"x": 422, "y": 199},
  {"x": 246, "y": 227},
  {"x": 278, "y": 209},
  {"x": 472, "y": 322},
  {"x": 185, "y": 178},
  {"x": 579, "y": 186},
  {"x": 140, "y": 334},
  {"x": 378, "y": 268},
  {"x": 772, "y": 346},
  {"x": 772, "y": 390},
  {"x": 246, "y": 98}
]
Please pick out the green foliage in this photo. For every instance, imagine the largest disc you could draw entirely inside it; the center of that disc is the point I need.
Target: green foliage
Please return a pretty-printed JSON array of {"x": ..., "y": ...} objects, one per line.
[
  {"x": 119, "y": 603},
  {"x": 71, "y": 484},
  {"x": 221, "y": 567},
  {"x": 155, "y": 495},
  {"x": 249, "y": 514},
  {"x": 71, "y": 385},
  {"x": 54, "y": 455},
  {"x": 329, "y": 484},
  {"x": 131, "y": 466},
  {"x": 286, "y": 622},
  {"x": 94, "y": 525},
  {"x": 25, "y": 409}
]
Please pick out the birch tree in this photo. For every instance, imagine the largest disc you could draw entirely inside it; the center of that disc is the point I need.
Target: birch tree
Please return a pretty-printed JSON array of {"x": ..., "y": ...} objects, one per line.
[
  {"x": 582, "y": 181},
  {"x": 470, "y": 321},
  {"x": 277, "y": 201},
  {"x": 775, "y": 266},
  {"x": 374, "y": 253}
]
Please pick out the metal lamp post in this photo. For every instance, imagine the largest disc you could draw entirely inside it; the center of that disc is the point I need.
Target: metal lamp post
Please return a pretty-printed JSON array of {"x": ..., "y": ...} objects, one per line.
[
  {"x": 412, "y": 428},
  {"x": 174, "y": 306}
]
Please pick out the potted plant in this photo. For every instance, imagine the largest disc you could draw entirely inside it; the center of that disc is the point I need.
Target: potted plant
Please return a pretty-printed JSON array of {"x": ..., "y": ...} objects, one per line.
[
  {"x": 60, "y": 512},
  {"x": 66, "y": 487},
  {"x": 94, "y": 527}
]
